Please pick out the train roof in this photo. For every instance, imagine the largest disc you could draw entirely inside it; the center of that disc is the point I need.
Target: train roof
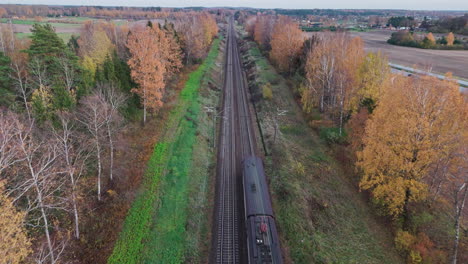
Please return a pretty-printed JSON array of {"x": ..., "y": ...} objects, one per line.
[{"x": 256, "y": 195}]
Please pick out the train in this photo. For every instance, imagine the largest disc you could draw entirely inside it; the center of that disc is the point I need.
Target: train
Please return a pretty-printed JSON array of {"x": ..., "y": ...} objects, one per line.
[{"x": 263, "y": 246}]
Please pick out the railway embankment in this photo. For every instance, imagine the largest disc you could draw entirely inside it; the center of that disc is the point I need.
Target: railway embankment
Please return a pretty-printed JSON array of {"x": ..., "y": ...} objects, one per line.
[
  {"x": 321, "y": 216},
  {"x": 168, "y": 221}
]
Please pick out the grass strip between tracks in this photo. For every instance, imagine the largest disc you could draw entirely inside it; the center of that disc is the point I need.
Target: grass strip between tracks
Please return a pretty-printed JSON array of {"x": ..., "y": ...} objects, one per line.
[{"x": 157, "y": 219}]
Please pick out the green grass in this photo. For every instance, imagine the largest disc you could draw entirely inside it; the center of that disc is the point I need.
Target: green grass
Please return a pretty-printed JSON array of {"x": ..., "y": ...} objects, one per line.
[
  {"x": 167, "y": 239},
  {"x": 267, "y": 74},
  {"x": 155, "y": 228},
  {"x": 136, "y": 227}
]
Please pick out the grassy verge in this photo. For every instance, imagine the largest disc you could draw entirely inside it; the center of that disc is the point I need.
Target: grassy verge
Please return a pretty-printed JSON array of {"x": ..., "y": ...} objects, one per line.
[
  {"x": 155, "y": 227},
  {"x": 322, "y": 218}
]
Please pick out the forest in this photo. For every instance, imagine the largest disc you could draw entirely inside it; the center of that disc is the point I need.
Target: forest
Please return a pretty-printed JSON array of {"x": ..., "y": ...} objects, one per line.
[
  {"x": 402, "y": 139},
  {"x": 64, "y": 108},
  {"x": 108, "y": 137}
]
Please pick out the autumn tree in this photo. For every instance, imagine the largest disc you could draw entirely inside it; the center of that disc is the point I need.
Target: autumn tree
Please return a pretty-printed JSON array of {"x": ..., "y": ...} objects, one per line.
[
  {"x": 3, "y": 12},
  {"x": 450, "y": 39},
  {"x": 152, "y": 62},
  {"x": 286, "y": 43},
  {"x": 331, "y": 75},
  {"x": 373, "y": 76},
  {"x": 191, "y": 37},
  {"x": 15, "y": 246},
  {"x": 19, "y": 75},
  {"x": 195, "y": 33},
  {"x": 431, "y": 38},
  {"x": 94, "y": 46},
  {"x": 457, "y": 189},
  {"x": 416, "y": 123},
  {"x": 263, "y": 30}
]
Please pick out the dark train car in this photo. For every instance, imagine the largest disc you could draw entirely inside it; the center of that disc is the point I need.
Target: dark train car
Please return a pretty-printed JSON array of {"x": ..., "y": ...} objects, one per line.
[{"x": 262, "y": 236}]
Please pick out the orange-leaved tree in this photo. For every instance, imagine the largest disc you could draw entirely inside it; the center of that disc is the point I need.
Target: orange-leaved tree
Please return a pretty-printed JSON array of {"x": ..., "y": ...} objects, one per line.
[
  {"x": 263, "y": 29},
  {"x": 430, "y": 37},
  {"x": 450, "y": 39},
  {"x": 154, "y": 58},
  {"x": 286, "y": 43},
  {"x": 416, "y": 123}
]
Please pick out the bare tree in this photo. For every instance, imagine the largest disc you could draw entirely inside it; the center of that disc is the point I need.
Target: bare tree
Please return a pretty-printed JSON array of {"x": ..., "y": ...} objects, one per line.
[
  {"x": 9, "y": 129},
  {"x": 115, "y": 100},
  {"x": 93, "y": 116},
  {"x": 68, "y": 71},
  {"x": 38, "y": 71},
  {"x": 73, "y": 148},
  {"x": 13, "y": 48},
  {"x": 39, "y": 182}
]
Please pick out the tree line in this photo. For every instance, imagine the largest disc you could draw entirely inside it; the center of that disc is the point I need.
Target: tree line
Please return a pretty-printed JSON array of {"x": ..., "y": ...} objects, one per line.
[
  {"x": 61, "y": 110},
  {"x": 409, "y": 39},
  {"x": 406, "y": 135}
]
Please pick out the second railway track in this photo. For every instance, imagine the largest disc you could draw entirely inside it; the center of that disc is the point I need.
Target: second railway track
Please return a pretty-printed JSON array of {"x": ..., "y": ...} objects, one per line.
[{"x": 236, "y": 141}]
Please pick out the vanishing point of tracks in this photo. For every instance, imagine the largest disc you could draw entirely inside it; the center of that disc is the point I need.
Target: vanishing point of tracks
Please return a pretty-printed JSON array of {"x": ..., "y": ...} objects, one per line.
[{"x": 236, "y": 141}]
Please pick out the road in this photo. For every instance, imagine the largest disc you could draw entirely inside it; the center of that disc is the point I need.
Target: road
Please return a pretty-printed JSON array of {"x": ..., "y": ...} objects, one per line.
[{"x": 236, "y": 141}]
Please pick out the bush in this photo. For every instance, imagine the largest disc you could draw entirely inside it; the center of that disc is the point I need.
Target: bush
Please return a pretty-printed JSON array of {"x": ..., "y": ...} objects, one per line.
[
  {"x": 267, "y": 92},
  {"x": 332, "y": 135},
  {"x": 298, "y": 168},
  {"x": 404, "y": 240}
]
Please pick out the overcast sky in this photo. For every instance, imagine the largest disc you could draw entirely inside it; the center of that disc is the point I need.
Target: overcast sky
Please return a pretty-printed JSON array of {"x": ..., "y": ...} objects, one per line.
[{"x": 337, "y": 4}]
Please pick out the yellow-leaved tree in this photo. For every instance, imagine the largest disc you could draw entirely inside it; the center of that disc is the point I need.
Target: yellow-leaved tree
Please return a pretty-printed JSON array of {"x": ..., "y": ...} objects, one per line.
[
  {"x": 430, "y": 37},
  {"x": 286, "y": 43},
  {"x": 372, "y": 79},
  {"x": 15, "y": 246},
  {"x": 416, "y": 123}
]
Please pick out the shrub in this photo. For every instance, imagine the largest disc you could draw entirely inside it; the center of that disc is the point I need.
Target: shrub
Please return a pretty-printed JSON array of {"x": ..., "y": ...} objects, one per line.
[
  {"x": 404, "y": 240},
  {"x": 414, "y": 257},
  {"x": 332, "y": 135},
  {"x": 298, "y": 168},
  {"x": 267, "y": 92}
]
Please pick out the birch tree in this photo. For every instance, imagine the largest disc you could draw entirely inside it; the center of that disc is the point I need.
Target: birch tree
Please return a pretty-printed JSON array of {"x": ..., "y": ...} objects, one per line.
[
  {"x": 115, "y": 100},
  {"x": 92, "y": 115},
  {"x": 73, "y": 148},
  {"x": 40, "y": 184},
  {"x": 458, "y": 184}
]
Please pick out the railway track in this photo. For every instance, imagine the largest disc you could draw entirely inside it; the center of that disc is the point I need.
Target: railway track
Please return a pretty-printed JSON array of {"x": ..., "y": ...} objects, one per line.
[{"x": 236, "y": 141}]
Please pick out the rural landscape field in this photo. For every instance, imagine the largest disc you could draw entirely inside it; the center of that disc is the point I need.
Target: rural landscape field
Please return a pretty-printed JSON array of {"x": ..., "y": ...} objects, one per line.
[
  {"x": 260, "y": 133},
  {"x": 441, "y": 61}
]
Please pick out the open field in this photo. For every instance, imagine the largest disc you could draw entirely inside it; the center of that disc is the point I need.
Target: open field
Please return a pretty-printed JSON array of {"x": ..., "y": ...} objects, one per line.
[
  {"x": 441, "y": 61},
  {"x": 65, "y": 29}
]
